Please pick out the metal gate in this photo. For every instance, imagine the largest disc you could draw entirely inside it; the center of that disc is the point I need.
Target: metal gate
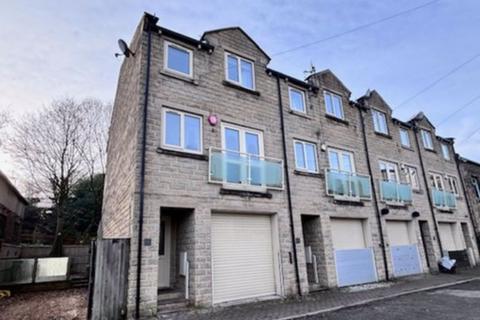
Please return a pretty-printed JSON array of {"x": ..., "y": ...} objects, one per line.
[
  {"x": 355, "y": 266},
  {"x": 406, "y": 260}
]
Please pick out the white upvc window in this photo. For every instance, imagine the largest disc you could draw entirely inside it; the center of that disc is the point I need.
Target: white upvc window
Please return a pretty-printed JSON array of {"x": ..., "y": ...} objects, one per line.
[
  {"x": 476, "y": 186},
  {"x": 405, "y": 138},
  {"x": 242, "y": 140},
  {"x": 333, "y": 104},
  {"x": 379, "y": 121},
  {"x": 411, "y": 175},
  {"x": 427, "y": 139},
  {"x": 182, "y": 131},
  {"x": 436, "y": 181},
  {"x": 305, "y": 156},
  {"x": 240, "y": 71},
  {"x": 341, "y": 161},
  {"x": 445, "y": 152},
  {"x": 297, "y": 99},
  {"x": 178, "y": 59},
  {"x": 453, "y": 185},
  {"x": 389, "y": 171}
]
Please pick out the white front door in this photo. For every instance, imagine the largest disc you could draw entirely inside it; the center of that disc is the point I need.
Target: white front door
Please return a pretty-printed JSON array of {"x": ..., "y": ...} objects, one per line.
[{"x": 164, "y": 250}]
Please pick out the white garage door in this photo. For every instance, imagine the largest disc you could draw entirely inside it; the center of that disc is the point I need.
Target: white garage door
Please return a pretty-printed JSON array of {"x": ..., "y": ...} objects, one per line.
[
  {"x": 242, "y": 257},
  {"x": 354, "y": 262},
  {"x": 404, "y": 251},
  {"x": 348, "y": 234},
  {"x": 450, "y": 237}
]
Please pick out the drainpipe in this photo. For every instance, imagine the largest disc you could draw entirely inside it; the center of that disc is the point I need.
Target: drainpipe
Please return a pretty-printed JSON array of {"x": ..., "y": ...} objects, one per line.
[
  {"x": 148, "y": 21},
  {"x": 374, "y": 192},
  {"x": 287, "y": 185},
  {"x": 429, "y": 196}
]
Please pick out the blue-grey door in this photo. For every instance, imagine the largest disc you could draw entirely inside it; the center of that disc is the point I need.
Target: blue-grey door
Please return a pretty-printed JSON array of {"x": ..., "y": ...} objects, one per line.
[
  {"x": 406, "y": 260},
  {"x": 355, "y": 266}
]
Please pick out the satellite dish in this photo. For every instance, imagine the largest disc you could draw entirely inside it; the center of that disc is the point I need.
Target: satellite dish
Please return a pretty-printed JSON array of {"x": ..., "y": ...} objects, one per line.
[{"x": 124, "y": 49}]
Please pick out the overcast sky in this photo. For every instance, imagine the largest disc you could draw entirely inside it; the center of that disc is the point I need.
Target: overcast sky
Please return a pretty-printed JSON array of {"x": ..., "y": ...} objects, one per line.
[{"x": 50, "y": 49}]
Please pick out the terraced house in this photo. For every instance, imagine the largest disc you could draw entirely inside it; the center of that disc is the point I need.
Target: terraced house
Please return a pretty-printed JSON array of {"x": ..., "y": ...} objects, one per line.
[{"x": 233, "y": 182}]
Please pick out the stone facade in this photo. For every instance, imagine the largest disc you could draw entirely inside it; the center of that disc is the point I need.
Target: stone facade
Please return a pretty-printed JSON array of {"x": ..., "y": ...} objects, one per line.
[
  {"x": 177, "y": 183},
  {"x": 470, "y": 174}
]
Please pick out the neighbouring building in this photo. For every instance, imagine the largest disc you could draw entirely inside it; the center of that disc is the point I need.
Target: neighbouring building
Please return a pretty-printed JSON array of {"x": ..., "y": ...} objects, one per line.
[
  {"x": 470, "y": 175},
  {"x": 235, "y": 182},
  {"x": 12, "y": 206}
]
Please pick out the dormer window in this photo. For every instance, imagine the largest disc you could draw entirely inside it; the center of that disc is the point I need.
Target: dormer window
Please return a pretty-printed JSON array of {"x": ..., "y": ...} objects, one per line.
[
  {"x": 333, "y": 105},
  {"x": 379, "y": 122},
  {"x": 445, "y": 152},
  {"x": 297, "y": 100},
  {"x": 178, "y": 59},
  {"x": 240, "y": 71},
  {"x": 427, "y": 139}
]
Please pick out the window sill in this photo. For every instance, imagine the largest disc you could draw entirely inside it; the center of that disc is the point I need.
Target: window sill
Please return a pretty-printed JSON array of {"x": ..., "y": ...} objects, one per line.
[
  {"x": 407, "y": 148},
  {"x": 417, "y": 191},
  {"x": 239, "y": 87},
  {"x": 308, "y": 174},
  {"x": 300, "y": 114},
  {"x": 381, "y": 134},
  {"x": 430, "y": 150},
  {"x": 245, "y": 193},
  {"x": 445, "y": 210},
  {"x": 183, "y": 154},
  {"x": 342, "y": 121},
  {"x": 179, "y": 77}
]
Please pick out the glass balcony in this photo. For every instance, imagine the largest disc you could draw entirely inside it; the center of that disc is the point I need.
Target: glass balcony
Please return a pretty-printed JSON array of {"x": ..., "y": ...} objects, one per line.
[
  {"x": 347, "y": 186},
  {"x": 394, "y": 192},
  {"x": 444, "y": 199},
  {"x": 244, "y": 171}
]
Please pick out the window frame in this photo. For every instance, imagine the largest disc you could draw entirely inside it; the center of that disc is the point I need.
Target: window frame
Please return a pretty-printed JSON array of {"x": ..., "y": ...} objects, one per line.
[
  {"x": 239, "y": 70},
  {"x": 426, "y": 133},
  {"x": 407, "y": 135},
  {"x": 304, "y": 99},
  {"x": 242, "y": 131},
  {"x": 166, "y": 45},
  {"x": 453, "y": 185},
  {"x": 435, "y": 185},
  {"x": 333, "y": 94},
  {"x": 388, "y": 165},
  {"x": 340, "y": 153},
  {"x": 304, "y": 143},
  {"x": 408, "y": 176},
  {"x": 375, "y": 119},
  {"x": 445, "y": 152},
  {"x": 182, "y": 114},
  {"x": 476, "y": 187}
]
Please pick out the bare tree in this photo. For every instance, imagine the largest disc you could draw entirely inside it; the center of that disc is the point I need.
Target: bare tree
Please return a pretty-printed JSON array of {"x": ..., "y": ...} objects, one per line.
[
  {"x": 4, "y": 119},
  {"x": 55, "y": 148}
]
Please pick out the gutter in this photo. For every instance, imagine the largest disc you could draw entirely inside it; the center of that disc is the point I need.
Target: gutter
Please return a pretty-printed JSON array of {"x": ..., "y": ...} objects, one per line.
[
  {"x": 149, "y": 22},
  {"x": 429, "y": 196},
  {"x": 287, "y": 184},
  {"x": 361, "y": 108}
]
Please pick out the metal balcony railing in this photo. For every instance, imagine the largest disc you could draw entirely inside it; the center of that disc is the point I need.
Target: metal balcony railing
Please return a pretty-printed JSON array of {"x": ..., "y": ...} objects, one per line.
[
  {"x": 347, "y": 185},
  {"x": 394, "y": 192},
  {"x": 444, "y": 199},
  {"x": 245, "y": 171}
]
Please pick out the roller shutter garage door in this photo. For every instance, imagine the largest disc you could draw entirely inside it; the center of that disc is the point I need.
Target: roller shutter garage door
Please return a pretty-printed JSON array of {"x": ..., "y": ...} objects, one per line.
[
  {"x": 450, "y": 237},
  {"x": 404, "y": 252},
  {"x": 354, "y": 262},
  {"x": 242, "y": 257}
]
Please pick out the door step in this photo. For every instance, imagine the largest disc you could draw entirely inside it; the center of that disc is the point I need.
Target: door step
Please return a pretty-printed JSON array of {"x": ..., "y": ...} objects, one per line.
[
  {"x": 172, "y": 305},
  {"x": 169, "y": 294}
]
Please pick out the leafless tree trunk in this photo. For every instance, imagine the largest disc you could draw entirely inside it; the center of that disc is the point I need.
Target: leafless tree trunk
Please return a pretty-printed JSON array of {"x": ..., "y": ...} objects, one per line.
[{"x": 55, "y": 146}]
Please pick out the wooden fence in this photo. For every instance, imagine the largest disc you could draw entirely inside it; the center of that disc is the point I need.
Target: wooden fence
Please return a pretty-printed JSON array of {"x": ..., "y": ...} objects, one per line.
[{"x": 109, "y": 296}]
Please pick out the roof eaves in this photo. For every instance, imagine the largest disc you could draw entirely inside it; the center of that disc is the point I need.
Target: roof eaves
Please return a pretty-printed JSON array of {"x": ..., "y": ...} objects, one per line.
[
  {"x": 12, "y": 186},
  {"x": 293, "y": 80}
]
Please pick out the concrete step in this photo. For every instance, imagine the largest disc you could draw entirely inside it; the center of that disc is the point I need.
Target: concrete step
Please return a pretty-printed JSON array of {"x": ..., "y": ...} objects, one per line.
[
  {"x": 169, "y": 295},
  {"x": 172, "y": 305}
]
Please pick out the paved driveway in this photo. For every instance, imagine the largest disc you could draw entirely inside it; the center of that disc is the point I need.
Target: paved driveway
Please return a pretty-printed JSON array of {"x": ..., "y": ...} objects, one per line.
[{"x": 457, "y": 302}]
